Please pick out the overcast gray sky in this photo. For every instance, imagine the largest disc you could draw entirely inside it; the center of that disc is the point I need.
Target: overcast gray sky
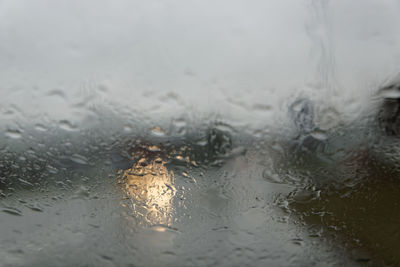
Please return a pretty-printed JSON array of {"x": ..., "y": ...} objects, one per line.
[{"x": 222, "y": 56}]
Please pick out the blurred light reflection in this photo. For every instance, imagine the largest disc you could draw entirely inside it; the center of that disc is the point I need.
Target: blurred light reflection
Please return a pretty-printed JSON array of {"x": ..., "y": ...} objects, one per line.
[{"x": 150, "y": 188}]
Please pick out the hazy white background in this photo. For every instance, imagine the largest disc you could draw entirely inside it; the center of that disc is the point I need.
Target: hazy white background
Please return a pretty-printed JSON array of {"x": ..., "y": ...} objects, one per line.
[{"x": 240, "y": 59}]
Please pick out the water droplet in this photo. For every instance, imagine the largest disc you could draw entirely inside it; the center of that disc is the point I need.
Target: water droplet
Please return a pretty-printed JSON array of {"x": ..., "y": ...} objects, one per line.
[
  {"x": 178, "y": 127},
  {"x": 51, "y": 169},
  {"x": 272, "y": 177},
  {"x": 67, "y": 126},
  {"x": 157, "y": 131},
  {"x": 13, "y": 133},
  {"x": 319, "y": 134},
  {"x": 179, "y": 157},
  {"x": 12, "y": 211},
  {"x": 302, "y": 115},
  {"x": 153, "y": 148},
  {"x": 201, "y": 142},
  {"x": 283, "y": 219},
  {"x": 40, "y": 127},
  {"x": 127, "y": 128},
  {"x": 169, "y": 253},
  {"x": 82, "y": 192},
  {"x": 106, "y": 257},
  {"x": 77, "y": 158},
  {"x": 56, "y": 92},
  {"x": 219, "y": 140},
  {"x": 277, "y": 147},
  {"x": 391, "y": 91},
  {"x": 298, "y": 241},
  {"x": 164, "y": 228},
  {"x": 24, "y": 182},
  {"x": 35, "y": 207},
  {"x": 328, "y": 118},
  {"x": 262, "y": 107},
  {"x": 298, "y": 105}
]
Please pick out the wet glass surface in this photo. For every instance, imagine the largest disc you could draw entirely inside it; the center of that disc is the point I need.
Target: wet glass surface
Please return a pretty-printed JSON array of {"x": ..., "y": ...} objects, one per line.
[{"x": 199, "y": 133}]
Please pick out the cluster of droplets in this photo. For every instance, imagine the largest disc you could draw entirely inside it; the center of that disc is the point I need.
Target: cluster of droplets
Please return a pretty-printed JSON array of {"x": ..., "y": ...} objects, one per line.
[{"x": 149, "y": 185}]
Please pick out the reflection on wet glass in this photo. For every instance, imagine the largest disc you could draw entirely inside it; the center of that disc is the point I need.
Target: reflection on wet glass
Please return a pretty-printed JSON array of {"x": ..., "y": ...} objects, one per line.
[{"x": 150, "y": 187}]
